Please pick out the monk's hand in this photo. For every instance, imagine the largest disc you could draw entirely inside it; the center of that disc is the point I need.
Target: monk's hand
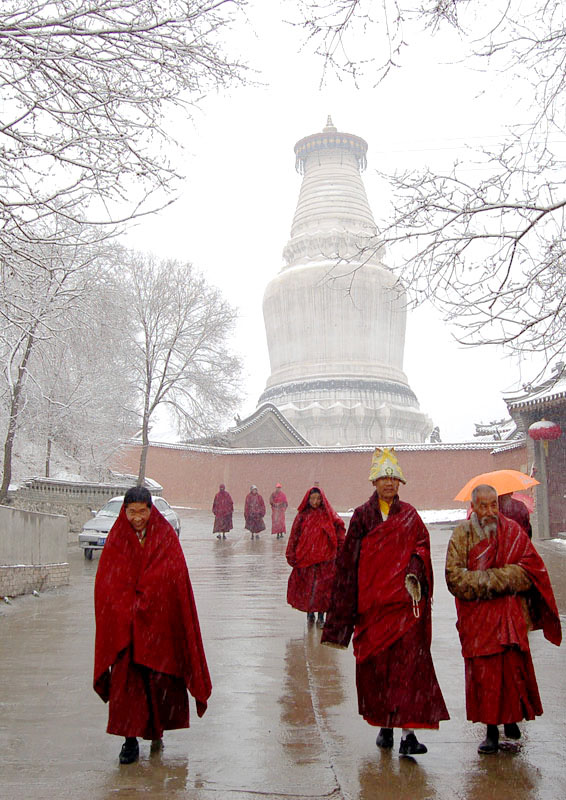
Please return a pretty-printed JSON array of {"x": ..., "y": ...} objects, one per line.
[{"x": 413, "y": 587}]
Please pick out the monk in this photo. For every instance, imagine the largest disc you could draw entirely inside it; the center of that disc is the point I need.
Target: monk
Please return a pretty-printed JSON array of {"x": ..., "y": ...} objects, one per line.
[
  {"x": 148, "y": 647},
  {"x": 278, "y": 503},
  {"x": 222, "y": 508},
  {"x": 382, "y": 594},
  {"x": 515, "y": 509},
  {"x": 254, "y": 512},
  {"x": 316, "y": 537},
  {"x": 502, "y": 591}
]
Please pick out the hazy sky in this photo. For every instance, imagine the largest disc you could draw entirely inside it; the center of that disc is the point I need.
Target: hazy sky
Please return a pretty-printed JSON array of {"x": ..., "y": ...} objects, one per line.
[{"x": 234, "y": 216}]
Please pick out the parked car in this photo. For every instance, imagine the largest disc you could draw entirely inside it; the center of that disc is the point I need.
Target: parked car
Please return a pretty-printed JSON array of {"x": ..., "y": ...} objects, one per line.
[{"x": 95, "y": 530}]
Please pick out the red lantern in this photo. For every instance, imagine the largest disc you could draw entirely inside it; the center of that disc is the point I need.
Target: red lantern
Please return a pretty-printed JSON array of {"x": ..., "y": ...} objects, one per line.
[{"x": 546, "y": 430}]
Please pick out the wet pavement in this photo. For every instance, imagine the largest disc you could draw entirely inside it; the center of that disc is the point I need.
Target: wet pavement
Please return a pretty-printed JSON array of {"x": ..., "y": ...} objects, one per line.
[{"x": 282, "y": 721}]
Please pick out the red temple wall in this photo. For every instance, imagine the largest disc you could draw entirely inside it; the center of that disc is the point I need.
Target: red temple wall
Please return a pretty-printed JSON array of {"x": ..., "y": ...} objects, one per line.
[{"x": 434, "y": 475}]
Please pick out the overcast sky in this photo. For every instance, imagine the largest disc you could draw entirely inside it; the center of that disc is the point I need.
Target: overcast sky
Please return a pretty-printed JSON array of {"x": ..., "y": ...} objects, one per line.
[{"x": 239, "y": 197}]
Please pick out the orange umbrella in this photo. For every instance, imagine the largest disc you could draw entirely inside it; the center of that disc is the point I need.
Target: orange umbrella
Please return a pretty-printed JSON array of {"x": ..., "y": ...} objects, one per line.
[{"x": 503, "y": 481}]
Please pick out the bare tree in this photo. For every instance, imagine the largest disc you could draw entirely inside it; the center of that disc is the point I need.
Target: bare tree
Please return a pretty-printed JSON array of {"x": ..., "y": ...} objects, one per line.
[
  {"x": 81, "y": 401},
  {"x": 40, "y": 296},
  {"x": 486, "y": 246},
  {"x": 182, "y": 328},
  {"x": 85, "y": 88}
]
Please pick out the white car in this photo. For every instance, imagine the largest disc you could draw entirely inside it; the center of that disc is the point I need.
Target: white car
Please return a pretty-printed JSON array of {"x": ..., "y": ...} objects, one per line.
[{"x": 95, "y": 530}]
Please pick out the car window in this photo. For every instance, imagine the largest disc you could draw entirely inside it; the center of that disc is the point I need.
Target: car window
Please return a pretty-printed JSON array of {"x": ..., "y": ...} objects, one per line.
[
  {"x": 161, "y": 504},
  {"x": 111, "y": 509}
]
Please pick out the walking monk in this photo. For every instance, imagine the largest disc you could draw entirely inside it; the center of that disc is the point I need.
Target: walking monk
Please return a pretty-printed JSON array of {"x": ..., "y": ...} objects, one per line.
[
  {"x": 316, "y": 538},
  {"x": 502, "y": 591},
  {"x": 382, "y": 594},
  {"x": 254, "y": 512},
  {"x": 278, "y": 503},
  {"x": 222, "y": 508},
  {"x": 148, "y": 648}
]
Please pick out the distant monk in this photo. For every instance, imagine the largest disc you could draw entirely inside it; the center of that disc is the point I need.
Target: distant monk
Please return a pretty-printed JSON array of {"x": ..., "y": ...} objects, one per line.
[
  {"x": 254, "y": 512},
  {"x": 278, "y": 503},
  {"x": 516, "y": 510},
  {"x": 148, "y": 649},
  {"x": 222, "y": 508},
  {"x": 315, "y": 540}
]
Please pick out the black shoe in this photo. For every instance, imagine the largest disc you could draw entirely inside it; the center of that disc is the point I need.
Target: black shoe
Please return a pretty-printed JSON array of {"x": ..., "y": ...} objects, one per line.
[
  {"x": 130, "y": 751},
  {"x": 410, "y": 746},
  {"x": 310, "y": 616},
  {"x": 385, "y": 738},
  {"x": 490, "y": 744},
  {"x": 511, "y": 730},
  {"x": 320, "y": 620}
]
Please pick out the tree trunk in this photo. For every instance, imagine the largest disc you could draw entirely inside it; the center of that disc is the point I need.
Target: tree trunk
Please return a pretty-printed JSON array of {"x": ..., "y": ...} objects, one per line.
[
  {"x": 48, "y": 457},
  {"x": 15, "y": 408},
  {"x": 144, "y": 449}
]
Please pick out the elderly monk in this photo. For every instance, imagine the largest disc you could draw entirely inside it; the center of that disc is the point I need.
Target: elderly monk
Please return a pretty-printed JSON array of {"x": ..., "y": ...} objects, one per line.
[
  {"x": 382, "y": 594},
  {"x": 148, "y": 648},
  {"x": 502, "y": 591}
]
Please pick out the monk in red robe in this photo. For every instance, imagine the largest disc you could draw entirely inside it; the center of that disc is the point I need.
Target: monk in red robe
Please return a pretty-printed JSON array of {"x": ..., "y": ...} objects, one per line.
[
  {"x": 382, "y": 594},
  {"x": 148, "y": 648},
  {"x": 515, "y": 509},
  {"x": 316, "y": 538},
  {"x": 222, "y": 508},
  {"x": 254, "y": 512},
  {"x": 278, "y": 503},
  {"x": 502, "y": 591}
]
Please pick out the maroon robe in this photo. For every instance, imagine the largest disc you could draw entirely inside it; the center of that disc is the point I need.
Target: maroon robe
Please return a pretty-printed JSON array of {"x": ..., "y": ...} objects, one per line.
[
  {"x": 316, "y": 537},
  {"x": 278, "y": 503},
  {"x": 254, "y": 512},
  {"x": 515, "y": 509},
  {"x": 148, "y": 647},
  {"x": 222, "y": 508},
  {"x": 395, "y": 677},
  {"x": 501, "y": 685}
]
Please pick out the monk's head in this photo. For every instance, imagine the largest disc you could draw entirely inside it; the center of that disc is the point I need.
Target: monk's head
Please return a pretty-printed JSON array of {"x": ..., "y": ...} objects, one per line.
[
  {"x": 315, "y": 498},
  {"x": 386, "y": 488},
  {"x": 484, "y": 504},
  {"x": 137, "y": 505}
]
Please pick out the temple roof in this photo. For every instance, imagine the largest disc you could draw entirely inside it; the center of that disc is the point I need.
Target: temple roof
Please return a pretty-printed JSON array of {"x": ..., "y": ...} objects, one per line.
[{"x": 549, "y": 391}]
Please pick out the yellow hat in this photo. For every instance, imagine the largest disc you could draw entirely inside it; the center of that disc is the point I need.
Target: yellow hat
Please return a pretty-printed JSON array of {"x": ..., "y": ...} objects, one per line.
[{"x": 384, "y": 464}]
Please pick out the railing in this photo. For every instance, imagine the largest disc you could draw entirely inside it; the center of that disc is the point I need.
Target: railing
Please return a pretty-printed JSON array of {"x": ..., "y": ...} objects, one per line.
[{"x": 78, "y": 492}]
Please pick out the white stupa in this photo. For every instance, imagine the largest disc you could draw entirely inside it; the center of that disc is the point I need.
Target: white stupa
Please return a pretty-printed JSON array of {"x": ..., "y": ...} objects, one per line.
[{"x": 334, "y": 315}]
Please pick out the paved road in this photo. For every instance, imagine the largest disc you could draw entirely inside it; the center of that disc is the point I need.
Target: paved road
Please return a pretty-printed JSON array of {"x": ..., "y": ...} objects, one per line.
[{"x": 282, "y": 721}]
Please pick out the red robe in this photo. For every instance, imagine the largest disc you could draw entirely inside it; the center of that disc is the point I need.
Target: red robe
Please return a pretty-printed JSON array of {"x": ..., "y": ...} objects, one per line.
[
  {"x": 278, "y": 503},
  {"x": 148, "y": 647},
  {"x": 316, "y": 537},
  {"x": 254, "y": 512},
  {"x": 395, "y": 677},
  {"x": 494, "y": 617},
  {"x": 222, "y": 508}
]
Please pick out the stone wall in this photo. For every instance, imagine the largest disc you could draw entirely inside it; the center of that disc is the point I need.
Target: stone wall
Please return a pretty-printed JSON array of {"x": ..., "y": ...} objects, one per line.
[{"x": 33, "y": 551}]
